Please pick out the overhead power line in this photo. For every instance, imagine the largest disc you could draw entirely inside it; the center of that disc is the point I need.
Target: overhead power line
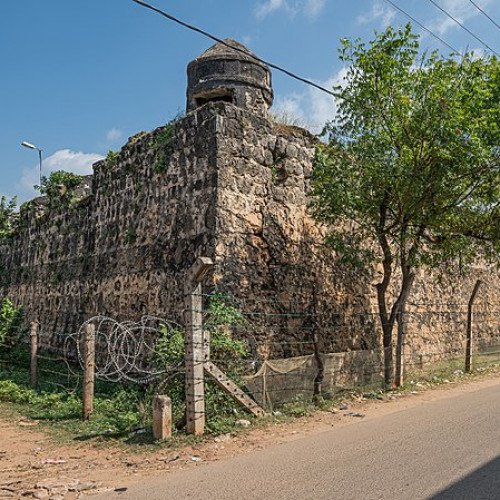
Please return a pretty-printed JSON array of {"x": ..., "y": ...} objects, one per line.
[
  {"x": 421, "y": 25},
  {"x": 219, "y": 40},
  {"x": 433, "y": 2},
  {"x": 480, "y": 9}
]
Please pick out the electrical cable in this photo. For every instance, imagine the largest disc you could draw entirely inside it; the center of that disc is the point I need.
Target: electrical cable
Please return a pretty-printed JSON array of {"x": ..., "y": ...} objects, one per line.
[
  {"x": 433, "y": 2},
  {"x": 480, "y": 9},
  {"x": 219, "y": 40},
  {"x": 422, "y": 26}
]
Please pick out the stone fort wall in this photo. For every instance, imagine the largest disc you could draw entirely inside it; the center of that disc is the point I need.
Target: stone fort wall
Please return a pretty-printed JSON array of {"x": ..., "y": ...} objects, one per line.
[
  {"x": 233, "y": 186},
  {"x": 123, "y": 248},
  {"x": 271, "y": 254}
]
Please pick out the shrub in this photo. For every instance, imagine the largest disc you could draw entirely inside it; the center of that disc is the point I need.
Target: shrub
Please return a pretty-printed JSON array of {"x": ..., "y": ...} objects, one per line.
[
  {"x": 163, "y": 147},
  {"x": 60, "y": 185},
  {"x": 111, "y": 158},
  {"x": 10, "y": 323},
  {"x": 227, "y": 352}
]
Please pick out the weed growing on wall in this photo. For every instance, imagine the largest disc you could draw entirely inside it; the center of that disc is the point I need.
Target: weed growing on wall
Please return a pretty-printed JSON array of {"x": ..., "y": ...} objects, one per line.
[
  {"x": 278, "y": 172},
  {"x": 60, "y": 186},
  {"x": 163, "y": 147},
  {"x": 222, "y": 318},
  {"x": 130, "y": 235},
  {"x": 111, "y": 158}
]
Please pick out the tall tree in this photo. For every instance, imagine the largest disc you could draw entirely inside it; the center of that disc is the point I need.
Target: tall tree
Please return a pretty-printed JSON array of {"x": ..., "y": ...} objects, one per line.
[{"x": 412, "y": 165}]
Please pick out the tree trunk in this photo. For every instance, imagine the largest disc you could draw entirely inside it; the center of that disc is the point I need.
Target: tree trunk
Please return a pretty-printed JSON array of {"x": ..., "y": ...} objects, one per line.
[
  {"x": 397, "y": 313},
  {"x": 387, "y": 327},
  {"x": 388, "y": 355},
  {"x": 382, "y": 287},
  {"x": 388, "y": 320},
  {"x": 398, "y": 377},
  {"x": 320, "y": 374}
]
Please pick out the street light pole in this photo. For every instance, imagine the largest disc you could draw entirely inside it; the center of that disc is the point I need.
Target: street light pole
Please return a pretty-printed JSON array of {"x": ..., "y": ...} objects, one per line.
[
  {"x": 40, "y": 169},
  {"x": 32, "y": 146}
]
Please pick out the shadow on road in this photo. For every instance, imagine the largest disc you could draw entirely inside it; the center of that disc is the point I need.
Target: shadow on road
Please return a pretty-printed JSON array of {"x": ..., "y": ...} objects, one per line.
[{"x": 481, "y": 484}]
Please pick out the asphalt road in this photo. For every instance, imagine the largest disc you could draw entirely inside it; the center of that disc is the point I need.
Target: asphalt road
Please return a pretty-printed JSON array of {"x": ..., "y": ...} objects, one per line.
[{"x": 444, "y": 449}]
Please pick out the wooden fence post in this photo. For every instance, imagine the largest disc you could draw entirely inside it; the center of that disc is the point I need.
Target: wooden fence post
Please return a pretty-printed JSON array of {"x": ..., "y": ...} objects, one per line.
[
  {"x": 468, "y": 347},
  {"x": 34, "y": 354},
  {"x": 195, "y": 355},
  {"x": 88, "y": 371}
]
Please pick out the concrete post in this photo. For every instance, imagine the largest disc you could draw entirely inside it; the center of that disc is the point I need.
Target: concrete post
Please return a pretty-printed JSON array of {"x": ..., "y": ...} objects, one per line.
[
  {"x": 162, "y": 418},
  {"x": 88, "y": 371},
  {"x": 34, "y": 354},
  {"x": 195, "y": 358}
]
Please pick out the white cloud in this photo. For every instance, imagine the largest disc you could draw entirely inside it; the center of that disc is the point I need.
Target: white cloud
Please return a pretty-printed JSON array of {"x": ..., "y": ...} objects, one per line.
[
  {"x": 246, "y": 40},
  {"x": 64, "y": 159},
  {"x": 461, "y": 10},
  {"x": 312, "y": 108},
  {"x": 310, "y": 8},
  {"x": 114, "y": 134},
  {"x": 379, "y": 11},
  {"x": 269, "y": 6},
  {"x": 289, "y": 109},
  {"x": 313, "y": 8}
]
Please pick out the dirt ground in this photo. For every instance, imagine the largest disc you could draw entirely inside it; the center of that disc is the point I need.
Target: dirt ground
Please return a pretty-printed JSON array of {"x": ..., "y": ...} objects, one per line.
[{"x": 34, "y": 465}]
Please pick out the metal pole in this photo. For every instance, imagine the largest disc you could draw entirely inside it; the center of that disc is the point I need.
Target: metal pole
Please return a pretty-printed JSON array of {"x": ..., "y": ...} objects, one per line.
[{"x": 40, "y": 158}]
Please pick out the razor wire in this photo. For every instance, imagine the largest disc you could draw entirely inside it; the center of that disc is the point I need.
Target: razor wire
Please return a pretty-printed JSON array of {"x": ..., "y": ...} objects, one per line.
[{"x": 126, "y": 351}]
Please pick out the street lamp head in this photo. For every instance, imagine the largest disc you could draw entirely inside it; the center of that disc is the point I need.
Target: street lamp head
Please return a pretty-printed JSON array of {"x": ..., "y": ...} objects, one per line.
[{"x": 32, "y": 146}]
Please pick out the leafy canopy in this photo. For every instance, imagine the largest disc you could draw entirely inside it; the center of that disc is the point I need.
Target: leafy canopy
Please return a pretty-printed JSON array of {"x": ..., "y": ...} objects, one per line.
[
  {"x": 411, "y": 174},
  {"x": 7, "y": 209},
  {"x": 60, "y": 184},
  {"x": 413, "y": 158}
]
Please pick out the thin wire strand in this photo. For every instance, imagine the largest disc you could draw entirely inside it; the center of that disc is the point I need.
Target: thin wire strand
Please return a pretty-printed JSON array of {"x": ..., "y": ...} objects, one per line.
[
  {"x": 455, "y": 20},
  {"x": 480, "y": 9},
  {"x": 219, "y": 40},
  {"x": 390, "y": 2}
]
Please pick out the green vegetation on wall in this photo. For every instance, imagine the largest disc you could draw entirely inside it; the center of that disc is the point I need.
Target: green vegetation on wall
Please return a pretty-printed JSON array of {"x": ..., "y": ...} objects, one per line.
[
  {"x": 111, "y": 158},
  {"x": 163, "y": 146},
  {"x": 60, "y": 186}
]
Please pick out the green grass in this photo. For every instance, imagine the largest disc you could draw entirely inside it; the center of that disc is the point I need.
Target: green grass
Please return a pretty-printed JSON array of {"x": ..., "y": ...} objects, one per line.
[
  {"x": 57, "y": 404},
  {"x": 445, "y": 371},
  {"x": 440, "y": 373},
  {"x": 122, "y": 413}
]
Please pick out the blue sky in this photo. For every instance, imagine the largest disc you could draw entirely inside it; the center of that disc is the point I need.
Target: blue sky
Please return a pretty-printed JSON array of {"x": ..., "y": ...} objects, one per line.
[{"x": 78, "y": 78}]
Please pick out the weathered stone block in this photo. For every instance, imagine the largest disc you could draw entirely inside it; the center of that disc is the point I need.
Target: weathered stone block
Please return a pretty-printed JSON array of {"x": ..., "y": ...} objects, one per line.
[{"x": 162, "y": 418}]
